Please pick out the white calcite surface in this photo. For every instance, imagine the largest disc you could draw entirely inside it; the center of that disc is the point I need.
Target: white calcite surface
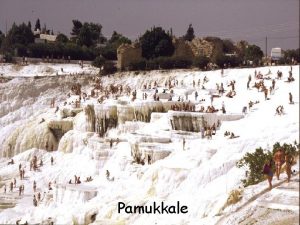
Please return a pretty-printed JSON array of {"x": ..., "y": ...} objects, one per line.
[{"x": 95, "y": 138}]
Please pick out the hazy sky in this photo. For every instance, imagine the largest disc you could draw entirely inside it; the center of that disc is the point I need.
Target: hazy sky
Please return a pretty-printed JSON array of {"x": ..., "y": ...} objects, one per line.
[{"x": 252, "y": 20}]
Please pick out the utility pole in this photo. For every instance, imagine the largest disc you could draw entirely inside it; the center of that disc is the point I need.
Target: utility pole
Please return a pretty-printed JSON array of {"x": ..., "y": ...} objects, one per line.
[
  {"x": 266, "y": 53},
  {"x": 5, "y": 28}
]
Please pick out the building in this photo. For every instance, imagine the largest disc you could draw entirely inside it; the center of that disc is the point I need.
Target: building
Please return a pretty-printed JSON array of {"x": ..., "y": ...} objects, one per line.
[
  {"x": 189, "y": 50},
  {"x": 43, "y": 38}
]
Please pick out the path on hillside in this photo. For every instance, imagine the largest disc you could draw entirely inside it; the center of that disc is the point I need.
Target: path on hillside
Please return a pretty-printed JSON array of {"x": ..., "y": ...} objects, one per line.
[{"x": 283, "y": 197}]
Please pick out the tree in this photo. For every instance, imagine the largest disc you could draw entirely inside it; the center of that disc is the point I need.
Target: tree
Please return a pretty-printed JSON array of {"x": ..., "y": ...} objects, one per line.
[
  {"x": 20, "y": 34},
  {"x": 292, "y": 54},
  {"x": 118, "y": 39},
  {"x": 76, "y": 27},
  {"x": 44, "y": 29},
  {"x": 189, "y": 36},
  {"x": 253, "y": 53},
  {"x": 29, "y": 25},
  {"x": 96, "y": 32},
  {"x": 155, "y": 43},
  {"x": 228, "y": 46},
  {"x": 37, "y": 25},
  {"x": 85, "y": 36},
  {"x": 1, "y": 38},
  {"x": 109, "y": 52},
  {"x": 241, "y": 48},
  {"x": 62, "y": 38}
]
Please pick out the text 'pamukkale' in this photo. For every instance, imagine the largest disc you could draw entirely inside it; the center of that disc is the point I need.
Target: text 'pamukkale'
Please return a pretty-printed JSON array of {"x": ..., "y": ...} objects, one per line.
[{"x": 153, "y": 209}]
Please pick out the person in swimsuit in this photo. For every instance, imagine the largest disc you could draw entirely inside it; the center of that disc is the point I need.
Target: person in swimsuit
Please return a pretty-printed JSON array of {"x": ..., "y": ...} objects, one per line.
[
  {"x": 279, "y": 160},
  {"x": 267, "y": 171}
]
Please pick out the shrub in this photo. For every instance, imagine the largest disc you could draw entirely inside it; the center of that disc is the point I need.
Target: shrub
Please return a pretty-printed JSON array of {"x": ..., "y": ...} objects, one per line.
[
  {"x": 152, "y": 64},
  {"x": 165, "y": 63},
  {"x": 254, "y": 162},
  {"x": 8, "y": 57},
  {"x": 109, "y": 68},
  {"x": 181, "y": 63},
  {"x": 20, "y": 50},
  {"x": 99, "y": 61},
  {"x": 140, "y": 65},
  {"x": 231, "y": 61},
  {"x": 201, "y": 62}
]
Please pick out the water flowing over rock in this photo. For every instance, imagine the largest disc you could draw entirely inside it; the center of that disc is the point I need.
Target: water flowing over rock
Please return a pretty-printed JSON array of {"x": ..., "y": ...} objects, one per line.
[
  {"x": 90, "y": 118},
  {"x": 60, "y": 127},
  {"x": 73, "y": 194},
  {"x": 106, "y": 118},
  {"x": 193, "y": 121},
  {"x": 31, "y": 135}
]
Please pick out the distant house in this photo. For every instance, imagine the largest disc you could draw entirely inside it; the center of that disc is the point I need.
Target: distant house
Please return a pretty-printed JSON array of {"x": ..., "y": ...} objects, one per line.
[
  {"x": 276, "y": 53},
  {"x": 43, "y": 38}
]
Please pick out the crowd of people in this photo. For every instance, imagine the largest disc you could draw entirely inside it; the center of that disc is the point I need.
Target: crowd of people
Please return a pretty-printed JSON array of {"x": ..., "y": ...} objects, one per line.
[{"x": 34, "y": 165}]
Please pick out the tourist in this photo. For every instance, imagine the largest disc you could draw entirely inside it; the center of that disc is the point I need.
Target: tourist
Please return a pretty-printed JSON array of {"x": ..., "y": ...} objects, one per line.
[
  {"x": 288, "y": 165},
  {"x": 202, "y": 130},
  {"x": 39, "y": 196},
  {"x": 291, "y": 98},
  {"x": 34, "y": 186},
  {"x": 52, "y": 160},
  {"x": 223, "y": 108},
  {"x": 49, "y": 186},
  {"x": 279, "y": 160},
  {"x": 34, "y": 201},
  {"x": 266, "y": 93},
  {"x": 149, "y": 159},
  {"x": 11, "y": 186},
  {"x": 183, "y": 144},
  {"x": 107, "y": 175},
  {"x": 20, "y": 190},
  {"x": 267, "y": 171}
]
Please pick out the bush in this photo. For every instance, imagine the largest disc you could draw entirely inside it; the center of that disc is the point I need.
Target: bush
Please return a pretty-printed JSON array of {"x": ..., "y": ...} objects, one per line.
[
  {"x": 99, "y": 61},
  {"x": 140, "y": 65},
  {"x": 181, "y": 63},
  {"x": 8, "y": 58},
  {"x": 254, "y": 162},
  {"x": 20, "y": 50},
  {"x": 165, "y": 63},
  {"x": 109, "y": 68},
  {"x": 109, "y": 52},
  {"x": 152, "y": 65},
  {"x": 58, "y": 50},
  {"x": 201, "y": 62},
  {"x": 232, "y": 61}
]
